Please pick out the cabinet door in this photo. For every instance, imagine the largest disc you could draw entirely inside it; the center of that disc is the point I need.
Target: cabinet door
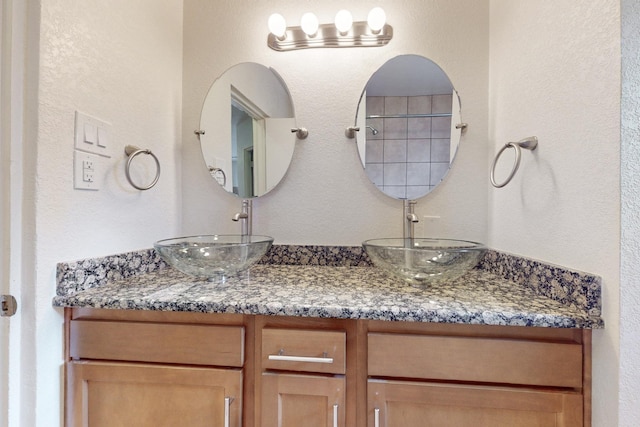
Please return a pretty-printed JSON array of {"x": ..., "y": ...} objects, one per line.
[
  {"x": 404, "y": 404},
  {"x": 121, "y": 394},
  {"x": 302, "y": 401}
]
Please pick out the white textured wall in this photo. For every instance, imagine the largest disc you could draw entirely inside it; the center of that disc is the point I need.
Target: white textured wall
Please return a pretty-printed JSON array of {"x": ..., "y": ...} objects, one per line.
[
  {"x": 326, "y": 197},
  {"x": 555, "y": 74},
  {"x": 630, "y": 206},
  {"x": 120, "y": 61}
]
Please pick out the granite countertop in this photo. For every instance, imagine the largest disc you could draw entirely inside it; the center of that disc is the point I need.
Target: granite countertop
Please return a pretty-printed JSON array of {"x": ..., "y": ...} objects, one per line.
[{"x": 296, "y": 281}]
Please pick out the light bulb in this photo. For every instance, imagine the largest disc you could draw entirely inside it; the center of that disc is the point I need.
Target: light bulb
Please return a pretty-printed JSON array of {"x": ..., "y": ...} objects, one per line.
[
  {"x": 376, "y": 19},
  {"x": 277, "y": 25},
  {"x": 309, "y": 24},
  {"x": 343, "y": 21}
]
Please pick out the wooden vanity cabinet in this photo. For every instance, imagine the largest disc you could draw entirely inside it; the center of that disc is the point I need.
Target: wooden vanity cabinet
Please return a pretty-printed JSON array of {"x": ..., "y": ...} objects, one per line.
[
  {"x": 132, "y": 394},
  {"x": 303, "y": 373},
  {"x": 481, "y": 376},
  {"x": 128, "y": 367},
  {"x": 290, "y": 400},
  {"x": 403, "y": 403},
  {"x": 139, "y": 368}
]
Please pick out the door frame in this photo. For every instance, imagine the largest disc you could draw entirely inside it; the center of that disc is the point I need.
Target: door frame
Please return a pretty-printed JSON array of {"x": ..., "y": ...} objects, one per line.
[{"x": 14, "y": 36}]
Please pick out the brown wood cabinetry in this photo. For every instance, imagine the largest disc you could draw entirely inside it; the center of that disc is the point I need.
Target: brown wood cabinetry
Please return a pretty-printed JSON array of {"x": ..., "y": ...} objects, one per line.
[
  {"x": 401, "y": 403},
  {"x": 302, "y": 401},
  {"x": 303, "y": 350},
  {"x": 475, "y": 360},
  {"x": 127, "y": 394},
  {"x": 480, "y": 376},
  {"x": 303, "y": 373},
  {"x": 154, "y": 369},
  {"x": 162, "y": 368}
]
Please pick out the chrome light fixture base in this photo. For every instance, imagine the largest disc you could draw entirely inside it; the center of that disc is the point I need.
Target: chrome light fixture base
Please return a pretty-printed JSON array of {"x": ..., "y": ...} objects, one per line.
[{"x": 359, "y": 35}]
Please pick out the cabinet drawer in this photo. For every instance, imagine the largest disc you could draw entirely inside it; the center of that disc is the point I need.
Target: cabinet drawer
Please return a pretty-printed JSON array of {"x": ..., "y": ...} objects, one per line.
[
  {"x": 157, "y": 342},
  {"x": 506, "y": 361},
  {"x": 304, "y": 350}
]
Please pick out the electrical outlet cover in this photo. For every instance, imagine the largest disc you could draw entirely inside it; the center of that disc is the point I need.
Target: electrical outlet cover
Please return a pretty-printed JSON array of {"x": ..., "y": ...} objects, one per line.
[{"x": 87, "y": 171}]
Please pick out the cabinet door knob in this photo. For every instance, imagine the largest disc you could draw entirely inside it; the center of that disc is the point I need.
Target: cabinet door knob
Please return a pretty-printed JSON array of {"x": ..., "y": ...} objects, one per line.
[
  {"x": 376, "y": 417},
  {"x": 8, "y": 305},
  {"x": 335, "y": 415}
]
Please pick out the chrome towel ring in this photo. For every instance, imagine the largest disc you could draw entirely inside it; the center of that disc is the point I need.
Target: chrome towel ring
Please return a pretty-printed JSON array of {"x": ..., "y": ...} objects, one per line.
[
  {"x": 528, "y": 143},
  {"x": 218, "y": 173},
  {"x": 132, "y": 151}
]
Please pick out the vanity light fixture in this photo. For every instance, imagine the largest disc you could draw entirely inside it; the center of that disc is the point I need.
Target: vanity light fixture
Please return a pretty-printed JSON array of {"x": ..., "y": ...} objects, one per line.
[
  {"x": 343, "y": 21},
  {"x": 344, "y": 32},
  {"x": 309, "y": 24},
  {"x": 277, "y": 26},
  {"x": 376, "y": 20}
]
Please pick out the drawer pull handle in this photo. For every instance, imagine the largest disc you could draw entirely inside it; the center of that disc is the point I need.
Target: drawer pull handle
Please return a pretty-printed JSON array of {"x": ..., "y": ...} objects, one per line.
[
  {"x": 227, "y": 411},
  {"x": 335, "y": 415},
  {"x": 307, "y": 359},
  {"x": 376, "y": 417}
]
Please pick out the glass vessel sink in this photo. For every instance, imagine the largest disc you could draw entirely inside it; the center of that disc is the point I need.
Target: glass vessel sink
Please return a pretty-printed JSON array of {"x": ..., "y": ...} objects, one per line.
[
  {"x": 422, "y": 262},
  {"x": 214, "y": 257}
]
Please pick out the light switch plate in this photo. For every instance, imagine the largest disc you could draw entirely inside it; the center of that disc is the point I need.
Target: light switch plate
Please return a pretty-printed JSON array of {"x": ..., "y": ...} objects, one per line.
[
  {"x": 87, "y": 170},
  {"x": 92, "y": 135},
  {"x": 103, "y": 136}
]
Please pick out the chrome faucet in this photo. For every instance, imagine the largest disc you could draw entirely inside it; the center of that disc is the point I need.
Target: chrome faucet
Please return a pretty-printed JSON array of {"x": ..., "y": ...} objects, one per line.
[
  {"x": 245, "y": 216},
  {"x": 409, "y": 220}
]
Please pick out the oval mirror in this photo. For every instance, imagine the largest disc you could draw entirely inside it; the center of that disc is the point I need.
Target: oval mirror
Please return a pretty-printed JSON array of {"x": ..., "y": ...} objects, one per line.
[
  {"x": 407, "y": 117},
  {"x": 245, "y": 130}
]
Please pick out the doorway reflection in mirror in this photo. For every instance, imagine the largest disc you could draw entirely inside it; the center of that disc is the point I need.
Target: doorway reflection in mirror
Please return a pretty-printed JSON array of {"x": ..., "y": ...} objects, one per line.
[{"x": 248, "y": 116}]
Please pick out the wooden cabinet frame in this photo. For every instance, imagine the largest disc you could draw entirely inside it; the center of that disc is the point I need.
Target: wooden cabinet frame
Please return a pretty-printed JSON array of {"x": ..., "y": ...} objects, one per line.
[
  {"x": 155, "y": 347},
  {"x": 465, "y": 405},
  {"x": 573, "y": 339},
  {"x": 353, "y": 360},
  {"x": 295, "y": 399},
  {"x": 104, "y": 391},
  {"x": 356, "y": 361}
]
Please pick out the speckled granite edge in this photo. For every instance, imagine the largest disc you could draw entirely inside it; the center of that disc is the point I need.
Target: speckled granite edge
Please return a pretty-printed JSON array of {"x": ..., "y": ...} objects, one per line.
[
  {"x": 570, "y": 287},
  {"x": 573, "y": 288},
  {"x": 336, "y": 292},
  {"x": 331, "y": 256},
  {"x": 76, "y": 276}
]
